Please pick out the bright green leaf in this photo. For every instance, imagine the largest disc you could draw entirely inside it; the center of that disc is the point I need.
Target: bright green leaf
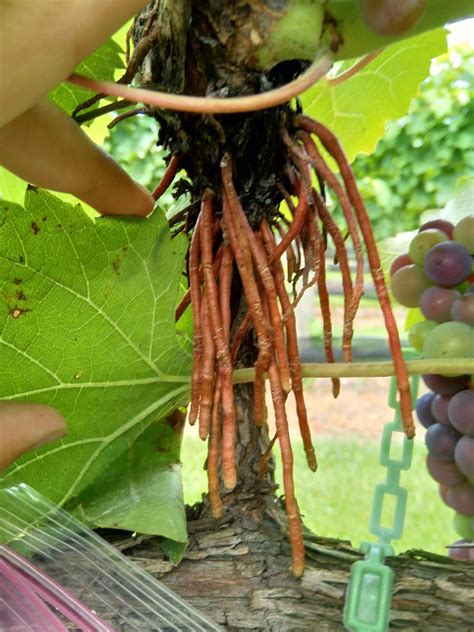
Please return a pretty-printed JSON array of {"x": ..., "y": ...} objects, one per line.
[
  {"x": 413, "y": 316},
  {"x": 87, "y": 325},
  {"x": 358, "y": 109},
  {"x": 12, "y": 187}
]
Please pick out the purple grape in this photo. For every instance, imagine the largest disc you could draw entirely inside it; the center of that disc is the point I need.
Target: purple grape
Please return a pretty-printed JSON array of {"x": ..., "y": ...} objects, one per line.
[
  {"x": 446, "y": 385},
  {"x": 461, "y": 412},
  {"x": 462, "y": 309},
  {"x": 444, "y": 472},
  {"x": 464, "y": 456},
  {"x": 440, "y": 224},
  {"x": 461, "y": 498},
  {"x": 441, "y": 441},
  {"x": 436, "y": 303},
  {"x": 439, "y": 409},
  {"x": 443, "y": 492},
  {"x": 423, "y": 410},
  {"x": 448, "y": 263}
]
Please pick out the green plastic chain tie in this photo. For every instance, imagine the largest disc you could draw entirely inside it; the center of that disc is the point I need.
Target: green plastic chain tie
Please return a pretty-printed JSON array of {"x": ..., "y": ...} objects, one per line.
[{"x": 369, "y": 594}]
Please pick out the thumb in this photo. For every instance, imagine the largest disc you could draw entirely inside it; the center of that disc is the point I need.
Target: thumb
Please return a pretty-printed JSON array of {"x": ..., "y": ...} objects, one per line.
[{"x": 27, "y": 426}]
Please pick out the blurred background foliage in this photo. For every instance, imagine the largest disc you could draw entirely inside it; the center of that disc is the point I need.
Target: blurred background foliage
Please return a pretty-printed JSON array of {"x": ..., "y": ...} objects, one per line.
[{"x": 415, "y": 166}]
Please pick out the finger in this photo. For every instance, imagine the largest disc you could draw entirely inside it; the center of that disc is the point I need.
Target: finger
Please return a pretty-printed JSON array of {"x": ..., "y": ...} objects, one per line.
[
  {"x": 42, "y": 42},
  {"x": 27, "y": 426},
  {"x": 47, "y": 148}
]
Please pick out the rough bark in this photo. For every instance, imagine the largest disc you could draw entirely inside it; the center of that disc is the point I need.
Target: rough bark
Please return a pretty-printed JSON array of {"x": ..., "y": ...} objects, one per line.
[{"x": 237, "y": 569}]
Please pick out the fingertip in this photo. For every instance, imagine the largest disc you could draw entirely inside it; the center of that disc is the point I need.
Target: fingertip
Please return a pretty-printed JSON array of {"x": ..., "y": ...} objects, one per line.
[
  {"x": 27, "y": 426},
  {"x": 145, "y": 201},
  {"x": 52, "y": 422}
]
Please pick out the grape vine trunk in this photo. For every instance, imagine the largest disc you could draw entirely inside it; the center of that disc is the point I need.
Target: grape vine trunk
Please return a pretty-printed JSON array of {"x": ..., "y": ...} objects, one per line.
[{"x": 240, "y": 168}]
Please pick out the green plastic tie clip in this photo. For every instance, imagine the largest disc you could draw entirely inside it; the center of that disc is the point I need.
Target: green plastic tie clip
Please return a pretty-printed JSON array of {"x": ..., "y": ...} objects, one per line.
[{"x": 369, "y": 594}]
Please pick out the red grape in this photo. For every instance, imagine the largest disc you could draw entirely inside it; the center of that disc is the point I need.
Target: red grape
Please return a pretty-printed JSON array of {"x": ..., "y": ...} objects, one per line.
[
  {"x": 462, "y": 309},
  {"x": 400, "y": 262},
  {"x": 445, "y": 385},
  {"x": 461, "y": 412},
  {"x": 462, "y": 552},
  {"x": 464, "y": 456},
  {"x": 441, "y": 440},
  {"x": 439, "y": 408},
  {"x": 445, "y": 472},
  {"x": 423, "y": 410},
  {"x": 448, "y": 263},
  {"x": 391, "y": 17},
  {"x": 461, "y": 498},
  {"x": 440, "y": 224},
  {"x": 436, "y": 303}
]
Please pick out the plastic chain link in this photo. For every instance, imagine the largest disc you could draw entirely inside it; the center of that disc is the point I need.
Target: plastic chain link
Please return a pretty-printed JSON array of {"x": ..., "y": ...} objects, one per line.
[{"x": 369, "y": 594}]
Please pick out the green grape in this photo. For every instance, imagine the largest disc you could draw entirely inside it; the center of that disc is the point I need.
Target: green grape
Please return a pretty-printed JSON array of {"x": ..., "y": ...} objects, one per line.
[
  {"x": 464, "y": 526},
  {"x": 450, "y": 340},
  {"x": 418, "y": 333},
  {"x": 422, "y": 243},
  {"x": 464, "y": 233},
  {"x": 408, "y": 284}
]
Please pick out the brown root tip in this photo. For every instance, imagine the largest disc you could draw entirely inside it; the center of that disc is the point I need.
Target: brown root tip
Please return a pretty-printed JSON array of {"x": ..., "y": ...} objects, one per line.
[
  {"x": 298, "y": 569},
  {"x": 230, "y": 480},
  {"x": 217, "y": 509},
  {"x": 336, "y": 387},
  {"x": 260, "y": 413},
  {"x": 312, "y": 460},
  {"x": 203, "y": 434},
  {"x": 410, "y": 431}
]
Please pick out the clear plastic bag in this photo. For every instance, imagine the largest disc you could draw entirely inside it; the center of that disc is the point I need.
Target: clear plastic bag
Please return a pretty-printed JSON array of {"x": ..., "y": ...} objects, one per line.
[{"x": 49, "y": 554}]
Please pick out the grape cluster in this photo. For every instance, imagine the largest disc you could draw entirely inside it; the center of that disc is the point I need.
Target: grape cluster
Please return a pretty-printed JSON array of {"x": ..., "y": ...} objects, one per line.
[{"x": 437, "y": 275}]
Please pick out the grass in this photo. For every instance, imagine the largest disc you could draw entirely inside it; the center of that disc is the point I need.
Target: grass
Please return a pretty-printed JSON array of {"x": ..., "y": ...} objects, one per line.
[{"x": 336, "y": 501}]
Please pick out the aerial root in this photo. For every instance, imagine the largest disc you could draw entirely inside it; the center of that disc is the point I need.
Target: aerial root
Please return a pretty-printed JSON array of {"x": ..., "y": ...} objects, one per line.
[
  {"x": 332, "y": 146},
  {"x": 230, "y": 252}
]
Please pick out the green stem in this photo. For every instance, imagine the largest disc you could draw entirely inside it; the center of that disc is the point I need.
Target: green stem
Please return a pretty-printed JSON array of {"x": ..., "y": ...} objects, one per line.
[
  {"x": 300, "y": 33},
  {"x": 358, "y": 39},
  {"x": 370, "y": 369}
]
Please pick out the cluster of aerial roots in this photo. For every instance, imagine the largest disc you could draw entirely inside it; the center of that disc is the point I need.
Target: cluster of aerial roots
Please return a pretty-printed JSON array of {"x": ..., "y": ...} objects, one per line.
[{"x": 223, "y": 241}]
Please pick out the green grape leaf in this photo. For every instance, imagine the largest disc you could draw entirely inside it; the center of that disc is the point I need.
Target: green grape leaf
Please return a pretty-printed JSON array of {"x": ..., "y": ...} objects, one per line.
[
  {"x": 149, "y": 473},
  {"x": 12, "y": 187},
  {"x": 101, "y": 64},
  {"x": 87, "y": 326},
  {"x": 458, "y": 206},
  {"x": 358, "y": 109}
]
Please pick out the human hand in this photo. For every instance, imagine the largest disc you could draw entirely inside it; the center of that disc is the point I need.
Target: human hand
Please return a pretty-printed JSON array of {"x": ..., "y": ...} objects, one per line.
[
  {"x": 25, "y": 426},
  {"x": 40, "y": 45}
]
